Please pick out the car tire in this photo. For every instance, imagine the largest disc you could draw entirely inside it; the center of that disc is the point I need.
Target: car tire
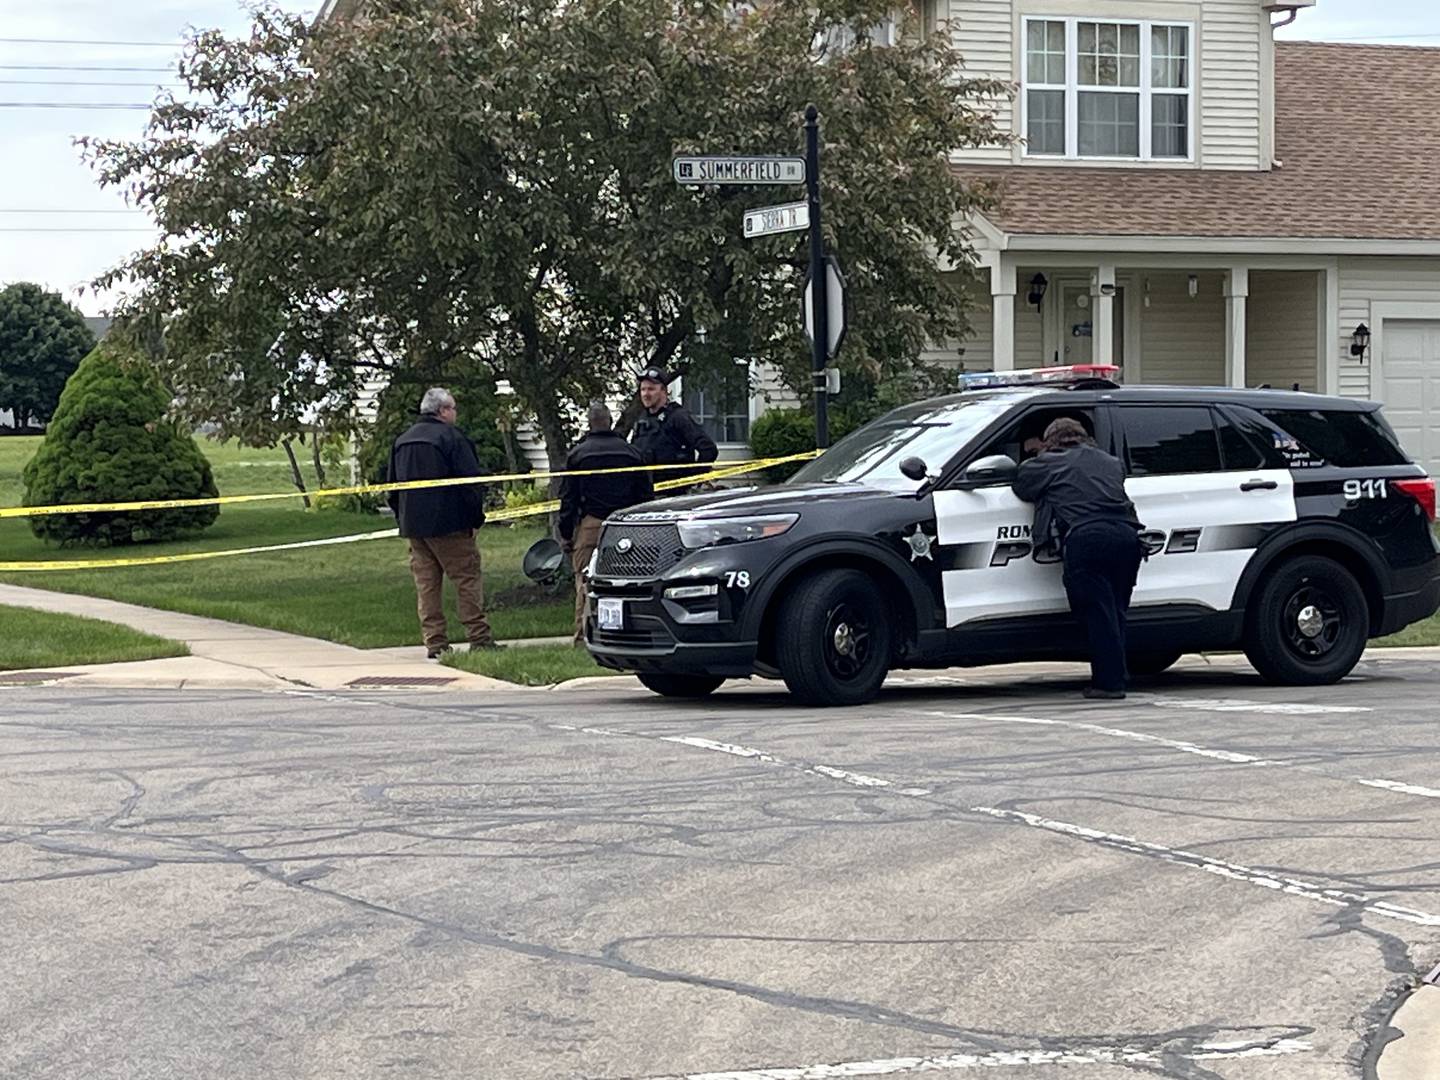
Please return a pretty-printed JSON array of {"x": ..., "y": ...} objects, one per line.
[
  {"x": 681, "y": 686},
  {"x": 1148, "y": 664},
  {"x": 1308, "y": 625},
  {"x": 834, "y": 643}
]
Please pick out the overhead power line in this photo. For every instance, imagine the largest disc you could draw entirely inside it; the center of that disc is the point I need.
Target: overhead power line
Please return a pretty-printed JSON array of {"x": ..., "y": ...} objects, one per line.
[
  {"x": 78, "y": 82},
  {"x": 1387, "y": 37},
  {"x": 84, "y": 41},
  {"x": 79, "y": 67},
  {"x": 121, "y": 105}
]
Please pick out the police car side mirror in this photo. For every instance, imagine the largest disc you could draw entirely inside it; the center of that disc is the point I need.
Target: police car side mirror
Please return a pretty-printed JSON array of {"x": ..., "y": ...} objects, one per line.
[
  {"x": 913, "y": 468},
  {"x": 995, "y": 469}
]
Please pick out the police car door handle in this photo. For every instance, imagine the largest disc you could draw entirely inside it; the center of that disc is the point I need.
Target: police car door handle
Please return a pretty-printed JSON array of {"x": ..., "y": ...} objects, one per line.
[{"x": 1259, "y": 485}]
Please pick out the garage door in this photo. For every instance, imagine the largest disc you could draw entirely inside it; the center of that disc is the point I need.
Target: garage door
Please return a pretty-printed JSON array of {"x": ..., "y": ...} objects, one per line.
[{"x": 1412, "y": 387}]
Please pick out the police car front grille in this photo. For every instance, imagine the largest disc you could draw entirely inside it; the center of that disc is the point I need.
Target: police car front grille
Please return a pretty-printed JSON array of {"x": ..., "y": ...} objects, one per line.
[{"x": 650, "y": 551}]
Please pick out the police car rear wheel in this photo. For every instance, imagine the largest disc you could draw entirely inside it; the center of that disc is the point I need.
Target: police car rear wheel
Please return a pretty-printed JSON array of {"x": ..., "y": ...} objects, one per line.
[
  {"x": 681, "y": 686},
  {"x": 1308, "y": 625},
  {"x": 834, "y": 648}
]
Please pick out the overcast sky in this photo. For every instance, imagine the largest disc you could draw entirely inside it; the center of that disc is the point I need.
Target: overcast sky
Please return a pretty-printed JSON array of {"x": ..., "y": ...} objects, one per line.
[{"x": 50, "y": 227}]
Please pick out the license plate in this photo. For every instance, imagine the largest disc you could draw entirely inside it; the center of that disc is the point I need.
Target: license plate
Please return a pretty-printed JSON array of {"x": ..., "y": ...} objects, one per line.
[{"x": 610, "y": 614}]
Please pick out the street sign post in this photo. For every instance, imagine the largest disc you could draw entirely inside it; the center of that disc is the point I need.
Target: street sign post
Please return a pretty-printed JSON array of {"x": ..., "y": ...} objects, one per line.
[
  {"x": 818, "y": 308},
  {"x": 739, "y": 170},
  {"x": 787, "y": 217},
  {"x": 835, "y": 322}
]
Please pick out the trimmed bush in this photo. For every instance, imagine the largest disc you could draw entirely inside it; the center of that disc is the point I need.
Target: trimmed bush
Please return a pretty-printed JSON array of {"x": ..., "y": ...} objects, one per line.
[
  {"x": 110, "y": 441},
  {"x": 782, "y": 432}
]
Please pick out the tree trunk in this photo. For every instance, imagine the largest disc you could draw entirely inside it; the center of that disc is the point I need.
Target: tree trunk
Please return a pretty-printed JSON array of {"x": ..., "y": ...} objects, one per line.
[
  {"x": 295, "y": 473},
  {"x": 552, "y": 428},
  {"x": 315, "y": 457}
]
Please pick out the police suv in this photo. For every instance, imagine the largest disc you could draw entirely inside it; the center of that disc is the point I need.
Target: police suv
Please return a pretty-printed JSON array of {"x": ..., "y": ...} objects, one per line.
[{"x": 1291, "y": 525}]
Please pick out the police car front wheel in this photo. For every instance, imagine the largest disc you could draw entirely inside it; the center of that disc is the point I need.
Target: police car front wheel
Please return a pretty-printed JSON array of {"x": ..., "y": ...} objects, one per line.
[
  {"x": 835, "y": 639},
  {"x": 1309, "y": 624}
]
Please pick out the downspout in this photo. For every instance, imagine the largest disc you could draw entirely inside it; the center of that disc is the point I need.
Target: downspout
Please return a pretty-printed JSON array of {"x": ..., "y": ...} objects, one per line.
[{"x": 1293, "y": 14}]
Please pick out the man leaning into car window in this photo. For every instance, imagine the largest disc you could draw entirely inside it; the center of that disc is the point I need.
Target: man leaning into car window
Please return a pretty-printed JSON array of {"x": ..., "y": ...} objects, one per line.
[{"x": 1081, "y": 508}]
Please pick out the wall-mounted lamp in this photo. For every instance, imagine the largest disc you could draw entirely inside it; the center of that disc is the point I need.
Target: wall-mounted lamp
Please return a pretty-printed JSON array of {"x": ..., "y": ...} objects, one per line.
[
  {"x": 1194, "y": 286},
  {"x": 1038, "y": 285},
  {"x": 1360, "y": 341}
]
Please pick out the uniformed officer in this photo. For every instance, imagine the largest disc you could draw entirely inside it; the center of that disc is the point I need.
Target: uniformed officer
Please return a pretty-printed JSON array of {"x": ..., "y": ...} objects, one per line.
[
  {"x": 586, "y": 501},
  {"x": 1081, "y": 507},
  {"x": 666, "y": 433}
]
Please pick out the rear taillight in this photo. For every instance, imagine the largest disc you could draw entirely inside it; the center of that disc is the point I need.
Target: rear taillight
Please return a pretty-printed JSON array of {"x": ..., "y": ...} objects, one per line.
[{"x": 1422, "y": 491}]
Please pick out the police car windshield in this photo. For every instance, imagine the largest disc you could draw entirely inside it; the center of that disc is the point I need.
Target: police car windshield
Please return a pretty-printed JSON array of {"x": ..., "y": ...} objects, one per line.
[{"x": 932, "y": 431}]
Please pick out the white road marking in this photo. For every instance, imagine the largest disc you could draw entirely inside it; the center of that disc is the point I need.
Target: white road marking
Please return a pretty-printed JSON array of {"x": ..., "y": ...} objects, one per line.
[
  {"x": 1230, "y": 756},
  {"x": 1396, "y": 785},
  {"x": 1275, "y": 708},
  {"x": 1093, "y": 1055},
  {"x": 1294, "y": 886},
  {"x": 736, "y": 750}
]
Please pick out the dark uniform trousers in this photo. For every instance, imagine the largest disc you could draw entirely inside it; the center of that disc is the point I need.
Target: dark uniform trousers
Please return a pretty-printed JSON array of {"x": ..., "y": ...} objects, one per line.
[
  {"x": 587, "y": 538},
  {"x": 1102, "y": 561}
]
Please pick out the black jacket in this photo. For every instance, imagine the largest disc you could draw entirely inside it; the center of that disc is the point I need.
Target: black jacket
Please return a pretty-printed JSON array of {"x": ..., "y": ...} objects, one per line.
[
  {"x": 670, "y": 436},
  {"x": 1071, "y": 488},
  {"x": 435, "y": 450},
  {"x": 601, "y": 496}
]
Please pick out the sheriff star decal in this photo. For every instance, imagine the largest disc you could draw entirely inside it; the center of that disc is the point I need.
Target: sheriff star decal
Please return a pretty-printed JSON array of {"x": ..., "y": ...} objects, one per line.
[{"x": 920, "y": 542}]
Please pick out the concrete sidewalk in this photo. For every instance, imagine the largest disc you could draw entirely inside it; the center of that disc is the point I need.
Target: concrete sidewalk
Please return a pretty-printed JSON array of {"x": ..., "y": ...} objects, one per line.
[{"x": 230, "y": 656}]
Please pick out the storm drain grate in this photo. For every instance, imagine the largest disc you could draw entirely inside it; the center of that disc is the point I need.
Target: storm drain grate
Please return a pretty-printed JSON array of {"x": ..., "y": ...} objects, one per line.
[
  {"x": 401, "y": 680},
  {"x": 25, "y": 678}
]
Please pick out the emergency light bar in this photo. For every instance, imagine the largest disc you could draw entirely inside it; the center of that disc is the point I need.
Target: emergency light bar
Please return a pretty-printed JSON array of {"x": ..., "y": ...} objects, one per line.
[{"x": 1070, "y": 373}]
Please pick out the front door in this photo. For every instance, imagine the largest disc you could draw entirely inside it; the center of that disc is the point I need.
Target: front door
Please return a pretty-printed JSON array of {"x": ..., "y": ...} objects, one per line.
[{"x": 1077, "y": 327}]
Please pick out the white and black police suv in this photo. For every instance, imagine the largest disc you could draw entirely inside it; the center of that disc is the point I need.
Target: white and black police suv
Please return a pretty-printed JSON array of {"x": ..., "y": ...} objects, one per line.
[{"x": 1291, "y": 525}]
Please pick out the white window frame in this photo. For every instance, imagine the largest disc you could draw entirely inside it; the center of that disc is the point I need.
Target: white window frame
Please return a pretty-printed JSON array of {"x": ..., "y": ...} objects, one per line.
[{"x": 1073, "y": 89}]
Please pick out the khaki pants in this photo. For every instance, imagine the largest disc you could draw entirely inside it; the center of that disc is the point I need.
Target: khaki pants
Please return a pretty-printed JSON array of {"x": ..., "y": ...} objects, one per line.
[
  {"x": 587, "y": 538},
  {"x": 432, "y": 560}
]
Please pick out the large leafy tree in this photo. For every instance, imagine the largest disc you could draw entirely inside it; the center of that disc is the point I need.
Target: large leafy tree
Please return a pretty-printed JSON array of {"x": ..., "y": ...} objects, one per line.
[
  {"x": 442, "y": 187},
  {"x": 42, "y": 341}
]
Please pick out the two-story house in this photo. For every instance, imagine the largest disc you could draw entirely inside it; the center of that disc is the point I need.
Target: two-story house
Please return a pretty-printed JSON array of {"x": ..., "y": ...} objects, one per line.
[{"x": 1198, "y": 203}]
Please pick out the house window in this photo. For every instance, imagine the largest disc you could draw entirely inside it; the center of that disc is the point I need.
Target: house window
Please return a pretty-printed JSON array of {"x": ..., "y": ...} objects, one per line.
[
  {"x": 1108, "y": 89},
  {"x": 722, "y": 407}
]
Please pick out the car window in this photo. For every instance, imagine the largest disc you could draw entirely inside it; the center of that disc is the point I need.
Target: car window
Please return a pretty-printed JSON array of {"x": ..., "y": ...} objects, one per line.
[
  {"x": 1163, "y": 440},
  {"x": 1347, "y": 438},
  {"x": 1236, "y": 451},
  {"x": 933, "y": 433},
  {"x": 1018, "y": 441}
]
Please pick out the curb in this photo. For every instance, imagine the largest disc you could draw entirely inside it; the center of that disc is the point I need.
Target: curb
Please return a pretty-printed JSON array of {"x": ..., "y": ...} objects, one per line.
[{"x": 1413, "y": 1053}]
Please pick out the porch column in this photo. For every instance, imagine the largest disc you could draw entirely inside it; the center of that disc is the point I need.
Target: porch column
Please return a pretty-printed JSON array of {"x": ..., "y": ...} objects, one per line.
[
  {"x": 1237, "y": 290},
  {"x": 1002, "y": 311},
  {"x": 1102, "y": 320}
]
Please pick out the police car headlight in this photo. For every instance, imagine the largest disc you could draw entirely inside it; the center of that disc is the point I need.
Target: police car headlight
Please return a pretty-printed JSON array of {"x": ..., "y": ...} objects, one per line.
[{"x": 709, "y": 532}]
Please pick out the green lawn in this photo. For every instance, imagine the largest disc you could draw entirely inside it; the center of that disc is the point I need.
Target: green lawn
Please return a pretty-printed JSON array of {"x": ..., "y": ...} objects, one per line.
[
  {"x": 39, "y": 639},
  {"x": 538, "y": 665},
  {"x": 359, "y": 594}
]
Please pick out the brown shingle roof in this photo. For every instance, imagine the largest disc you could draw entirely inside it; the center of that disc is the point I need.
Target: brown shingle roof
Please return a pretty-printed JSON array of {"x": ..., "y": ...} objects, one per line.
[{"x": 1357, "y": 131}]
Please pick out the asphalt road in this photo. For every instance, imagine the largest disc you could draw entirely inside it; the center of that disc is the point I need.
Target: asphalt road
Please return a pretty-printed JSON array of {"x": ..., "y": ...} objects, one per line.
[{"x": 1212, "y": 879}]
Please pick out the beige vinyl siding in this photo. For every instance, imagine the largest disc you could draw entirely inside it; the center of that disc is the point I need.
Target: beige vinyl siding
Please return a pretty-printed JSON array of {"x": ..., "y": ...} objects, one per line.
[
  {"x": 984, "y": 32},
  {"x": 1364, "y": 281},
  {"x": 1230, "y": 84},
  {"x": 1280, "y": 320},
  {"x": 1182, "y": 340}
]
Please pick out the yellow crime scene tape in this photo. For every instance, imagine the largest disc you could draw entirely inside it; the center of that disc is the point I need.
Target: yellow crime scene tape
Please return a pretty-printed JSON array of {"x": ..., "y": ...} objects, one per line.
[{"x": 738, "y": 468}]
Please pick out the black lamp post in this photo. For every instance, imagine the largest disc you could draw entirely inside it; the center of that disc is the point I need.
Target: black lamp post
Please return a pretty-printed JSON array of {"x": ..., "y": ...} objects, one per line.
[{"x": 1360, "y": 341}]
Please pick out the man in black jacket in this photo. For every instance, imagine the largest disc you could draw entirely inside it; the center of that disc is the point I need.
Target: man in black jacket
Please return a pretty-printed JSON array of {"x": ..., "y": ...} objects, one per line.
[
  {"x": 440, "y": 522},
  {"x": 666, "y": 433},
  {"x": 586, "y": 501},
  {"x": 1081, "y": 507}
]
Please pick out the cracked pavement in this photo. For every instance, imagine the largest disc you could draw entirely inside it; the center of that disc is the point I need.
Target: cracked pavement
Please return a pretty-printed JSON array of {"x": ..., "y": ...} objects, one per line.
[{"x": 1213, "y": 879}]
